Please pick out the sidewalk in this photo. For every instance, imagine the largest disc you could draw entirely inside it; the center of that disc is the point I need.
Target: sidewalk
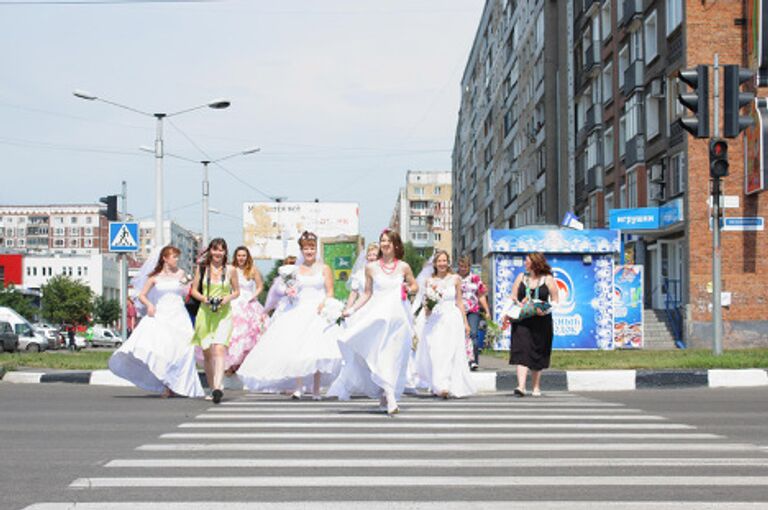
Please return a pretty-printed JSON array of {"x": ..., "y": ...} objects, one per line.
[{"x": 494, "y": 375}]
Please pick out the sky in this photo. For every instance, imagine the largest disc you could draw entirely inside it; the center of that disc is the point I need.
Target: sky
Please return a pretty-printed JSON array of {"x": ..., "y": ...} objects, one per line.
[{"x": 342, "y": 96}]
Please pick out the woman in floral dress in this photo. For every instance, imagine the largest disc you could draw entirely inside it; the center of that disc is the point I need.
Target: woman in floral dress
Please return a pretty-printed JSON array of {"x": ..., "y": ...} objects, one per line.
[{"x": 474, "y": 293}]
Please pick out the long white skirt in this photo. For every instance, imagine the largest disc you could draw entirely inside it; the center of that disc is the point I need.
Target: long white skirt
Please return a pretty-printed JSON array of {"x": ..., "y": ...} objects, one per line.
[
  {"x": 158, "y": 354},
  {"x": 375, "y": 347},
  {"x": 297, "y": 343},
  {"x": 441, "y": 358}
]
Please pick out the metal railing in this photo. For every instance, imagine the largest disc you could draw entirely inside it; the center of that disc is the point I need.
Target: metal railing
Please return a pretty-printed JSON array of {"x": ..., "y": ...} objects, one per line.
[{"x": 672, "y": 302}]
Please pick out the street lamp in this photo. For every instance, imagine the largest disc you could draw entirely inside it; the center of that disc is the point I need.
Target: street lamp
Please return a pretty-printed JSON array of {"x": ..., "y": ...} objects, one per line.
[
  {"x": 217, "y": 104},
  {"x": 206, "y": 183}
]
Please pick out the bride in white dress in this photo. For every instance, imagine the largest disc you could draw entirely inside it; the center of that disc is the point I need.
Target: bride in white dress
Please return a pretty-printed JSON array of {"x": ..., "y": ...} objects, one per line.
[
  {"x": 300, "y": 347},
  {"x": 157, "y": 356},
  {"x": 376, "y": 343},
  {"x": 441, "y": 358}
]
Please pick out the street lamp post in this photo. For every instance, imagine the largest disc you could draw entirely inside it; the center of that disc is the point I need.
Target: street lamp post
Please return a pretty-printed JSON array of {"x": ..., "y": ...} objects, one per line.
[
  {"x": 217, "y": 104},
  {"x": 206, "y": 182}
]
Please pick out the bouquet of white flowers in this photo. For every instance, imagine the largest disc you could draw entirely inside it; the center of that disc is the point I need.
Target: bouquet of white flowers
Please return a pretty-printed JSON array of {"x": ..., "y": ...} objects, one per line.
[
  {"x": 332, "y": 311},
  {"x": 432, "y": 296},
  {"x": 287, "y": 273}
]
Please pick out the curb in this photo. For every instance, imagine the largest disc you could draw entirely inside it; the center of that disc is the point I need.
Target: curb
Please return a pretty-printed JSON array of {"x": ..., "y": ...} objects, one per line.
[{"x": 485, "y": 382}]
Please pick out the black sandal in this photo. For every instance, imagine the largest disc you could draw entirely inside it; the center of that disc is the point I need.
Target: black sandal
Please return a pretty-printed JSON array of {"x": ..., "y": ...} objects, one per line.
[{"x": 217, "y": 396}]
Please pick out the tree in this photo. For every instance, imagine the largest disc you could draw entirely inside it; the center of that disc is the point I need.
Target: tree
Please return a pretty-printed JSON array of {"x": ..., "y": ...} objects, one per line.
[
  {"x": 106, "y": 311},
  {"x": 415, "y": 257},
  {"x": 66, "y": 301},
  {"x": 268, "y": 281},
  {"x": 13, "y": 298}
]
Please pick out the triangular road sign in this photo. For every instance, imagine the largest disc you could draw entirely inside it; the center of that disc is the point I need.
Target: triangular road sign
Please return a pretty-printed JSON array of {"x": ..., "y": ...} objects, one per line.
[{"x": 124, "y": 238}]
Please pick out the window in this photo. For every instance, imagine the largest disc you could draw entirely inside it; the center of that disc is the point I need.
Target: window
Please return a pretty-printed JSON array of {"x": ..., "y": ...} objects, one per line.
[
  {"x": 88, "y": 220},
  {"x": 608, "y": 82},
  {"x": 9, "y": 243},
  {"x": 632, "y": 189},
  {"x": 674, "y": 108},
  {"x": 592, "y": 218},
  {"x": 437, "y": 190},
  {"x": 438, "y": 236},
  {"x": 20, "y": 232},
  {"x": 21, "y": 243},
  {"x": 674, "y": 14},
  {"x": 608, "y": 144},
  {"x": 88, "y": 231},
  {"x": 607, "y": 206},
  {"x": 74, "y": 231},
  {"x": 58, "y": 221},
  {"x": 73, "y": 243},
  {"x": 418, "y": 191},
  {"x": 651, "y": 37},
  {"x": 622, "y": 136},
  {"x": 636, "y": 46},
  {"x": 605, "y": 15},
  {"x": 652, "y": 105},
  {"x": 540, "y": 204},
  {"x": 623, "y": 64},
  {"x": 73, "y": 220},
  {"x": 623, "y": 196},
  {"x": 676, "y": 174},
  {"x": 58, "y": 231},
  {"x": 633, "y": 108},
  {"x": 58, "y": 243}
]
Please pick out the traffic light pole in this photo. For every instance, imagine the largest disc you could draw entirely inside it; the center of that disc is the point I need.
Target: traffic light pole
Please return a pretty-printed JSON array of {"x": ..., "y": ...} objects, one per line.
[
  {"x": 717, "y": 309},
  {"x": 124, "y": 275}
]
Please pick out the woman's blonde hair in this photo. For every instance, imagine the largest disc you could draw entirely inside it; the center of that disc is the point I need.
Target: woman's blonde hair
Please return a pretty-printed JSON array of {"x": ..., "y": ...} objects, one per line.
[
  {"x": 372, "y": 247},
  {"x": 440, "y": 253}
]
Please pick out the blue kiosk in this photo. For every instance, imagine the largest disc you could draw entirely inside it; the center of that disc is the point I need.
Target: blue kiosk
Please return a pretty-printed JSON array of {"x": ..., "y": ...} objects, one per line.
[{"x": 583, "y": 265}]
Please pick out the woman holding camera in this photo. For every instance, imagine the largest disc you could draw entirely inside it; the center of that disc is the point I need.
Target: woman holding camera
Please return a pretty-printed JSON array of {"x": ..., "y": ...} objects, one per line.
[{"x": 213, "y": 325}]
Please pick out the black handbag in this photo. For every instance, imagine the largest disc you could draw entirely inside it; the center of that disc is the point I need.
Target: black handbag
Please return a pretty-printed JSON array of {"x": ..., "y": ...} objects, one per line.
[{"x": 193, "y": 305}]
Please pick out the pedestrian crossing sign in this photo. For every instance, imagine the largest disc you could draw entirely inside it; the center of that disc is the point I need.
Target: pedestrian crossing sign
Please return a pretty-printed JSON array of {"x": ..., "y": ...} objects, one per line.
[{"x": 123, "y": 236}]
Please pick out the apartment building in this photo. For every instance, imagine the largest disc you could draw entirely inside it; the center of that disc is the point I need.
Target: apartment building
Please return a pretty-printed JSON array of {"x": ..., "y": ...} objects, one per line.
[
  {"x": 634, "y": 161},
  {"x": 423, "y": 213},
  {"x": 77, "y": 229},
  {"x": 513, "y": 161},
  {"x": 100, "y": 272},
  {"x": 185, "y": 240}
]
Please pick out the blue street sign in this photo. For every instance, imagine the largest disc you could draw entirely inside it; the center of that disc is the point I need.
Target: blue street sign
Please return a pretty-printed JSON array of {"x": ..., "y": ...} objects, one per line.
[
  {"x": 640, "y": 218},
  {"x": 753, "y": 223},
  {"x": 123, "y": 236}
]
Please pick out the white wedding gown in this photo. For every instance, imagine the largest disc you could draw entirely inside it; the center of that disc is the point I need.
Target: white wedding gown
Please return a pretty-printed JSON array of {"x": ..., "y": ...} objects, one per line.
[
  {"x": 376, "y": 342},
  {"x": 441, "y": 357},
  {"x": 158, "y": 354},
  {"x": 298, "y": 342}
]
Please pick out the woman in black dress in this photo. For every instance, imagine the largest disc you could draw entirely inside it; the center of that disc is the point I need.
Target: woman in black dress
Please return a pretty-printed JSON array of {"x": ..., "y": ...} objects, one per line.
[{"x": 532, "y": 337}]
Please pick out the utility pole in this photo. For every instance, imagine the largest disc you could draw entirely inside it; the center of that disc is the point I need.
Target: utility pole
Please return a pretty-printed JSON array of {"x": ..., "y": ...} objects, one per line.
[{"x": 124, "y": 274}]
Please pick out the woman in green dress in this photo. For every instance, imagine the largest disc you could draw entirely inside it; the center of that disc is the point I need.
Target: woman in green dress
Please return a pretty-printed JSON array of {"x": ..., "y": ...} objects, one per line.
[{"x": 213, "y": 324}]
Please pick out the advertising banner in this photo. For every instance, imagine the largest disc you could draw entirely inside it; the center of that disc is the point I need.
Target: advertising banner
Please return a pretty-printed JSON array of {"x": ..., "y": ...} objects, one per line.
[
  {"x": 340, "y": 257},
  {"x": 628, "y": 307},
  {"x": 583, "y": 317},
  {"x": 271, "y": 229}
]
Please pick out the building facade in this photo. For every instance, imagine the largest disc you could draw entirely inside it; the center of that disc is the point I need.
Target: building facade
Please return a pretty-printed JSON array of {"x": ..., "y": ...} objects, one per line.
[
  {"x": 100, "y": 272},
  {"x": 423, "y": 213},
  {"x": 186, "y": 241},
  {"x": 79, "y": 229},
  {"x": 633, "y": 157},
  {"x": 512, "y": 160}
]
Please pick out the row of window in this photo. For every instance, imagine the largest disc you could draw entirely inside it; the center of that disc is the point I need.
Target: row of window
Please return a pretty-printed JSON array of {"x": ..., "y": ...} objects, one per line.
[
  {"x": 66, "y": 271},
  {"x": 424, "y": 236},
  {"x": 56, "y": 220},
  {"x": 421, "y": 191}
]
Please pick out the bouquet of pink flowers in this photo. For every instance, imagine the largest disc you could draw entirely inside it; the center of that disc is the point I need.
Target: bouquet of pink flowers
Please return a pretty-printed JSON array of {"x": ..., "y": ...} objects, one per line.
[{"x": 287, "y": 273}]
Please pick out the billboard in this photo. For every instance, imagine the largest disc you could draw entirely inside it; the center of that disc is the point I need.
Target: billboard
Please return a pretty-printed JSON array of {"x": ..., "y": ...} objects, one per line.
[
  {"x": 583, "y": 317},
  {"x": 340, "y": 257},
  {"x": 628, "y": 306},
  {"x": 271, "y": 229}
]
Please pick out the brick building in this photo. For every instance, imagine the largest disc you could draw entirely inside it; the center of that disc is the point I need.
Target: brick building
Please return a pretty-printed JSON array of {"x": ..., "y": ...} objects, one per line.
[{"x": 423, "y": 212}]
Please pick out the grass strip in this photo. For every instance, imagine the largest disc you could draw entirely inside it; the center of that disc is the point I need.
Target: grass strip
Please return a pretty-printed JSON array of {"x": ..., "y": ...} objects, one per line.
[
  {"x": 64, "y": 360},
  {"x": 656, "y": 360}
]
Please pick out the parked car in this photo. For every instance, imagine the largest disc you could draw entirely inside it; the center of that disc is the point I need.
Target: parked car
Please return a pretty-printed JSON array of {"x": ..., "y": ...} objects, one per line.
[
  {"x": 51, "y": 333},
  {"x": 105, "y": 337},
  {"x": 28, "y": 339},
  {"x": 9, "y": 340}
]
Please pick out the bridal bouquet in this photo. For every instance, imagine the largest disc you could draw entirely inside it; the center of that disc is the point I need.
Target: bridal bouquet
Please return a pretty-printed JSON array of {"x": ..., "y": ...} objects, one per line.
[
  {"x": 432, "y": 296},
  {"x": 287, "y": 273},
  {"x": 332, "y": 311}
]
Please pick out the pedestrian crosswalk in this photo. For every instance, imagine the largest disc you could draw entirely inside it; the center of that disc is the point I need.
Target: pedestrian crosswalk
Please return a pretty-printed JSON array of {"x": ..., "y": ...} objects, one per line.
[{"x": 555, "y": 452}]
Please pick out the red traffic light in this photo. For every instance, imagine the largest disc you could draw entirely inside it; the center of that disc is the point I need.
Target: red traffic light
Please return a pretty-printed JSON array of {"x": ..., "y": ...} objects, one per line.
[{"x": 719, "y": 149}]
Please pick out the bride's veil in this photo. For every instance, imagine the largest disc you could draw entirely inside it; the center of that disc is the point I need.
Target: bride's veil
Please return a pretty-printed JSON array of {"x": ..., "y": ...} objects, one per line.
[
  {"x": 421, "y": 280},
  {"x": 138, "y": 281}
]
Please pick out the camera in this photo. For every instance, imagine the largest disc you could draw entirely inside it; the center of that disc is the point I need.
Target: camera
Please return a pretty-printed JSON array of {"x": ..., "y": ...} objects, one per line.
[{"x": 214, "y": 303}]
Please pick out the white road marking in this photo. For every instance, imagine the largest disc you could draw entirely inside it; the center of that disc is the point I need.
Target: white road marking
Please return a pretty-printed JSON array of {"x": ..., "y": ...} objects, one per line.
[
  {"x": 502, "y": 436},
  {"x": 387, "y": 424}
]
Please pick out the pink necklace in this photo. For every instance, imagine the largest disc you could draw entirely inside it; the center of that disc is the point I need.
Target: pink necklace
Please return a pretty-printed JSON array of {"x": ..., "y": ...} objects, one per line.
[{"x": 388, "y": 268}]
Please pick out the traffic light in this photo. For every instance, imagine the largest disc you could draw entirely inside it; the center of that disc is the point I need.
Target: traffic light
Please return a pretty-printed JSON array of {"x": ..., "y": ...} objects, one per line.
[
  {"x": 111, "y": 201},
  {"x": 735, "y": 100},
  {"x": 697, "y": 100},
  {"x": 718, "y": 158}
]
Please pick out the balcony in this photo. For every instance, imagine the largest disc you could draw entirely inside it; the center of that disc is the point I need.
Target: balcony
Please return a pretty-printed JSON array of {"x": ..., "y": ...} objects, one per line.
[
  {"x": 592, "y": 60},
  {"x": 594, "y": 179},
  {"x": 592, "y": 121},
  {"x": 580, "y": 191},
  {"x": 591, "y": 7},
  {"x": 633, "y": 13},
  {"x": 634, "y": 77},
  {"x": 635, "y": 153}
]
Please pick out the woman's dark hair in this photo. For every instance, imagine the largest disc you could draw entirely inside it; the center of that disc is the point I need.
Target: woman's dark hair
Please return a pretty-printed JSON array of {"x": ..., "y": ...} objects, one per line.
[
  {"x": 397, "y": 243},
  {"x": 307, "y": 238},
  {"x": 440, "y": 253},
  {"x": 215, "y": 243},
  {"x": 539, "y": 263},
  {"x": 161, "y": 259},
  {"x": 465, "y": 260}
]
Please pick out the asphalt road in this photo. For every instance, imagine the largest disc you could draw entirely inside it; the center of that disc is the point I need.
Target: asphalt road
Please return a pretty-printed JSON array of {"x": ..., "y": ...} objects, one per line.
[{"x": 115, "y": 448}]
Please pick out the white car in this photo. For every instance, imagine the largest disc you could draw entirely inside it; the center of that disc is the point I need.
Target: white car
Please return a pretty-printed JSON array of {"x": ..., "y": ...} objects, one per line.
[
  {"x": 106, "y": 337},
  {"x": 28, "y": 339}
]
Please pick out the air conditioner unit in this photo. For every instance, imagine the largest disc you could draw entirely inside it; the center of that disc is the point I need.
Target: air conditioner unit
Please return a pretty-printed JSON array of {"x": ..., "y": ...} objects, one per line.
[
  {"x": 657, "y": 173},
  {"x": 657, "y": 88}
]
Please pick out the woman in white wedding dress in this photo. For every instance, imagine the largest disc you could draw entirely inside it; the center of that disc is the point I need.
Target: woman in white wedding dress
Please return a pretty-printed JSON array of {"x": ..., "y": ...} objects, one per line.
[
  {"x": 376, "y": 343},
  {"x": 441, "y": 357},
  {"x": 157, "y": 356},
  {"x": 299, "y": 348}
]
